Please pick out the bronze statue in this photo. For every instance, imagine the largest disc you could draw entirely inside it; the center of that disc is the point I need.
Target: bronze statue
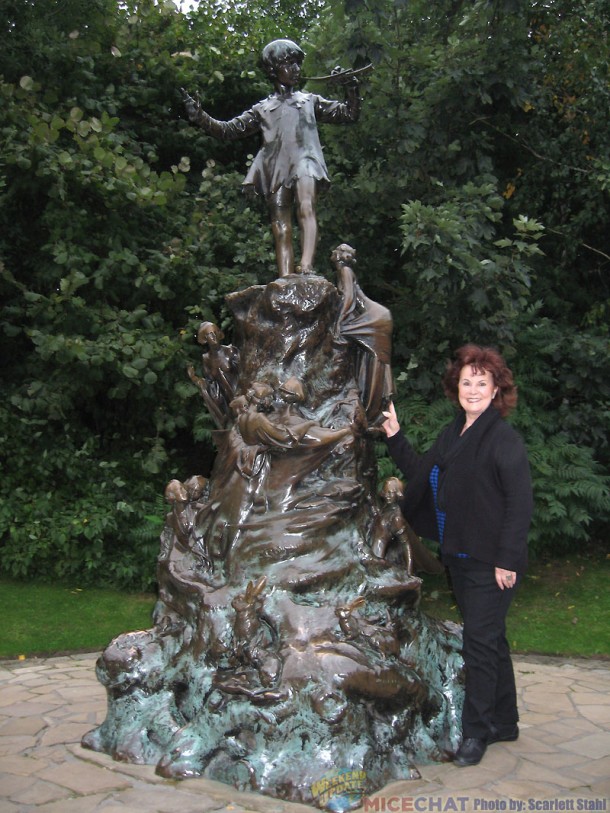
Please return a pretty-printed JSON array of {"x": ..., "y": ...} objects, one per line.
[
  {"x": 287, "y": 639},
  {"x": 289, "y": 168},
  {"x": 369, "y": 325},
  {"x": 220, "y": 371},
  {"x": 288, "y": 643}
]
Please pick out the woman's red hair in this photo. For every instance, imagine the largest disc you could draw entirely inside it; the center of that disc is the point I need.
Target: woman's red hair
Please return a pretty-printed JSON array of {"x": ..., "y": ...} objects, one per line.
[{"x": 482, "y": 359}]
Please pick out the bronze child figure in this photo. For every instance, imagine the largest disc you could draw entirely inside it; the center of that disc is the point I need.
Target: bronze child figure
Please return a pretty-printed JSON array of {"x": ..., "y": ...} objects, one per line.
[{"x": 289, "y": 167}]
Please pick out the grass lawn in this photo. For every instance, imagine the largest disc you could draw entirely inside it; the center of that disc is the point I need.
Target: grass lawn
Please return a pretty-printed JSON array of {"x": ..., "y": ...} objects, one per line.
[
  {"x": 41, "y": 619},
  {"x": 562, "y": 608}
]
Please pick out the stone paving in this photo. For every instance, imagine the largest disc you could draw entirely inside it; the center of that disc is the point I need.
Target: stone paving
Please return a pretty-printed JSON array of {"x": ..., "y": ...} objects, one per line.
[{"x": 560, "y": 762}]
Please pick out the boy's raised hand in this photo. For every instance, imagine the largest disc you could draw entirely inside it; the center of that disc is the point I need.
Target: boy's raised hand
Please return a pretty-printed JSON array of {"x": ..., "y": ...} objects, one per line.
[
  {"x": 192, "y": 105},
  {"x": 343, "y": 76}
]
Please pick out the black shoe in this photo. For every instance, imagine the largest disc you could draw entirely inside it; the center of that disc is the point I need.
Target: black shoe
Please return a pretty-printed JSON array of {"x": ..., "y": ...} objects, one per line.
[
  {"x": 470, "y": 752},
  {"x": 505, "y": 733}
]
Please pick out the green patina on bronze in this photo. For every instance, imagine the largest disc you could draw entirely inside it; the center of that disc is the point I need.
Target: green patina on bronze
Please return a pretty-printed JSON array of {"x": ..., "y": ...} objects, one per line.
[{"x": 284, "y": 648}]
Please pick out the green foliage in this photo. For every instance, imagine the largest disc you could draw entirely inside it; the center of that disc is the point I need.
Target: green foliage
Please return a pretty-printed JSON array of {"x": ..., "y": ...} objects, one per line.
[
  {"x": 457, "y": 266},
  {"x": 570, "y": 494},
  {"x": 475, "y": 189},
  {"x": 75, "y": 511},
  {"x": 107, "y": 264}
]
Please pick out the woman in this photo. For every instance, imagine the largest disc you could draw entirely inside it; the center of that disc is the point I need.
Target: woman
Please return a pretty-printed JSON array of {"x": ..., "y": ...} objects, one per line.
[{"x": 472, "y": 492}]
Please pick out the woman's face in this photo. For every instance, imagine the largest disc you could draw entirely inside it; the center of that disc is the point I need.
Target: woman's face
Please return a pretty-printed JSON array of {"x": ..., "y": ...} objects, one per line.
[{"x": 476, "y": 390}]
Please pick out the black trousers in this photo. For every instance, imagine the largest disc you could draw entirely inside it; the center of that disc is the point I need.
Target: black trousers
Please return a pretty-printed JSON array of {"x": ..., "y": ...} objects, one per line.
[{"x": 491, "y": 698}]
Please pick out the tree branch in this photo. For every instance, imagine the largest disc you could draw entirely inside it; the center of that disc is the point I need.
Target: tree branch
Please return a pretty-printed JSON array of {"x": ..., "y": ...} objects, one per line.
[{"x": 531, "y": 150}]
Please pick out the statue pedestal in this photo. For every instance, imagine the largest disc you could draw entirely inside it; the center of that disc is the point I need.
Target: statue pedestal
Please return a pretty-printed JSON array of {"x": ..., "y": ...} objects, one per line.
[{"x": 285, "y": 656}]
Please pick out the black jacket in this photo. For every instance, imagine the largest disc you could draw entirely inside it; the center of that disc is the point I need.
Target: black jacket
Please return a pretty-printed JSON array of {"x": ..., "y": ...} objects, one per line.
[{"x": 485, "y": 490}]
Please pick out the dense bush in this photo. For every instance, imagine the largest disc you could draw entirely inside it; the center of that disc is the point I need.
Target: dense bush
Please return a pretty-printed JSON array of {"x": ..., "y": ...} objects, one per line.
[{"x": 475, "y": 189}]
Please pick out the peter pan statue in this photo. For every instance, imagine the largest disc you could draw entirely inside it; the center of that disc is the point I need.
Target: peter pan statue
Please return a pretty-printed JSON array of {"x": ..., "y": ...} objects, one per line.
[{"x": 289, "y": 168}]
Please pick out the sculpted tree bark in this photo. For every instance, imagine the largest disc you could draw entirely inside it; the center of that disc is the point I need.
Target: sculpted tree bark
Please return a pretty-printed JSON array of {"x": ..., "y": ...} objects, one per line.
[{"x": 288, "y": 642}]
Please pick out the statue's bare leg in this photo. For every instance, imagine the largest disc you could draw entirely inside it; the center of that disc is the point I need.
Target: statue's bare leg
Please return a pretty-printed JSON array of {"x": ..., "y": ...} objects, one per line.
[
  {"x": 280, "y": 211},
  {"x": 306, "y": 214}
]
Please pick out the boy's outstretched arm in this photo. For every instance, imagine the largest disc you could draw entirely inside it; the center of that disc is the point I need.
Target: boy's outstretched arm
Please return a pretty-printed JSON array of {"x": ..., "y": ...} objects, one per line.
[
  {"x": 239, "y": 127},
  {"x": 347, "y": 112}
]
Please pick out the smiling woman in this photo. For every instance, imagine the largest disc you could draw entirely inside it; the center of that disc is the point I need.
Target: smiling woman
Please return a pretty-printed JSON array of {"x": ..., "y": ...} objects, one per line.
[
  {"x": 472, "y": 493},
  {"x": 476, "y": 390},
  {"x": 482, "y": 377}
]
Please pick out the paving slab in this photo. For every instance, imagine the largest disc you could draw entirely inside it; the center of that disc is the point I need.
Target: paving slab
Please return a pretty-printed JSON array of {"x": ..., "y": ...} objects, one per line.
[{"x": 560, "y": 762}]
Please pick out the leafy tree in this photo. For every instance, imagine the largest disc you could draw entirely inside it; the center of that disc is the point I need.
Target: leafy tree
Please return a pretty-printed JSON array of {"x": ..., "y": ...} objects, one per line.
[
  {"x": 474, "y": 188},
  {"x": 473, "y": 153},
  {"x": 111, "y": 252}
]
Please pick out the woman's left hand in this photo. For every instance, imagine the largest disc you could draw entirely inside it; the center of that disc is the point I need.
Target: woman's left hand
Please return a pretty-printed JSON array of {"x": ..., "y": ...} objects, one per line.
[{"x": 505, "y": 578}]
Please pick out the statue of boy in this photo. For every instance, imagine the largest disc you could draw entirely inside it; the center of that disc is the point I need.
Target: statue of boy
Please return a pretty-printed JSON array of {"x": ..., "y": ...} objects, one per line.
[{"x": 289, "y": 167}]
